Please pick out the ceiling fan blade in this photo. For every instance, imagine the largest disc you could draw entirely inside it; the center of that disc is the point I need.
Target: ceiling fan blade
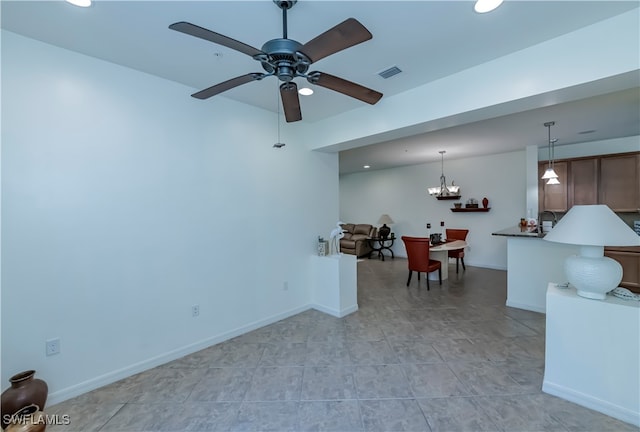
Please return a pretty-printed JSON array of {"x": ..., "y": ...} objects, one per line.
[
  {"x": 345, "y": 87},
  {"x": 227, "y": 85},
  {"x": 346, "y": 34},
  {"x": 290, "y": 101},
  {"x": 203, "y": 33}
]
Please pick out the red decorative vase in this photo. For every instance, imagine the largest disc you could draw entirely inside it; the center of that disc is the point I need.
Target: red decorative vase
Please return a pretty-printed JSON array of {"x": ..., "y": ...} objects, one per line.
[
  {"x": 25, "y": 390},
  {"x": 485, "y": 202}
]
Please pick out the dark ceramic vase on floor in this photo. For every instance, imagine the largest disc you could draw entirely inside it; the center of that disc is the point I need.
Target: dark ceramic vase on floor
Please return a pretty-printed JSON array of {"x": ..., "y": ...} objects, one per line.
[
  {"x": 28, "y": 419},
  {"x": 25, "y": 390}
]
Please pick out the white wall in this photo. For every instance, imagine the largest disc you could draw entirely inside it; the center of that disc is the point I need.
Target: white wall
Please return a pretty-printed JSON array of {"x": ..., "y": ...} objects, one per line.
[
  {"x": 401, "y": 193},
  {"x": 125, "y": 202},
  {"x": 592, "y": 148}
]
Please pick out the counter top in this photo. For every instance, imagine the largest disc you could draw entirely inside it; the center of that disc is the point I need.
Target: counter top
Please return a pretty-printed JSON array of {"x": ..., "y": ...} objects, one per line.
[{"x": 518, "y": 231}]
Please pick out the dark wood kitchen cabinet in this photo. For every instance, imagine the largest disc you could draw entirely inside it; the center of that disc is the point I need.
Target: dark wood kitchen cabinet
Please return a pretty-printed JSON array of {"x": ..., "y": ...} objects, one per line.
[
  {"x": 620, "y": 182},
  {"x": 613, "y": 180},
  {"x": 629, "y": 259},
  {"x": 583, "y": 181}
]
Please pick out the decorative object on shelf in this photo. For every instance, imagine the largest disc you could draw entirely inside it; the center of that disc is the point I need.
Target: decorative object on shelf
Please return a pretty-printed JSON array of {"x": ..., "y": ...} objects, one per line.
[
  {"x": 323, "y": 247},
  {"x": 335, "y": 237},
  {"x": 592, "y": 227},
  {"x": 28, "y": 419},
  {"x": 25, "y": 390},
  {"x": 444, "y": 191},
  {"x": 485, "y": 202},
  {"x": 471, "y": 203},
  {"x": 384, "y": 230},
  {"x": 457, "y": 205},
  {"x": 550, "y": 174}
]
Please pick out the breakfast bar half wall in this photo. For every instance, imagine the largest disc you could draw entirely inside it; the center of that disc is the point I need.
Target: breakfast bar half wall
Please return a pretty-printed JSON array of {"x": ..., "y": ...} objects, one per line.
[{"x": 531, "y": 264}]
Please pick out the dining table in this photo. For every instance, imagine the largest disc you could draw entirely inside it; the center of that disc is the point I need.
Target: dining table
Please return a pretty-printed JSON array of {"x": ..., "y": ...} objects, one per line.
[{"x": 440, "y": 252}]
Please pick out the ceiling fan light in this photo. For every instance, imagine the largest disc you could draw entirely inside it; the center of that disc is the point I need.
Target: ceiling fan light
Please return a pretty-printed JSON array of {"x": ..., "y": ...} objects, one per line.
[
  {"x": 549, "y": 174},
  {"x": 305, "y": 91},
  {"x": 484, "y": 6},
  {"x": 81, "y": 3}
]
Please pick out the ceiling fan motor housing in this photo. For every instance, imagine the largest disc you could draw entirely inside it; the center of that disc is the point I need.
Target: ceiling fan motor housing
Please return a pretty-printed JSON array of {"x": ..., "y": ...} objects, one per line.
[
  {"x": 284, "y": 59},
  {"x": 285, "y": 4}
]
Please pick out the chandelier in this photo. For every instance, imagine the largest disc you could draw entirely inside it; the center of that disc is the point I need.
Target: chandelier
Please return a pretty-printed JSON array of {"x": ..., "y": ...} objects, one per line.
[{"x": 444, "y": 191}]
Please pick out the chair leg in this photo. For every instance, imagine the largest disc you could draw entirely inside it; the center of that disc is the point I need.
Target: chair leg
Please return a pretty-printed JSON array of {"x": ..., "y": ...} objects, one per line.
[
  {"x": 409, "y": 280},
  {"x": 427, "y": 278},
  {"x": 440, "y": 275},
  {"x": 463, "y": 267},
  {"x": 457, "y": 264}
]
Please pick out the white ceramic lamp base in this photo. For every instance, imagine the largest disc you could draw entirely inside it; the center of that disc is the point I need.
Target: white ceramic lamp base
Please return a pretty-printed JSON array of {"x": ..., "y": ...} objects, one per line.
[{"x": 593, "y": 274}]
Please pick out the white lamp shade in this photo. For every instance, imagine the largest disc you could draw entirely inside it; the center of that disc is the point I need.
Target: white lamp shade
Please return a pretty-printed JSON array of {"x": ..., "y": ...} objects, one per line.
[
  {"x": 593, "y": 225},
  {"x": 549, "y": 174},
  {"x": 553, "y": 181},
  {"x": 385, "y": 219}
]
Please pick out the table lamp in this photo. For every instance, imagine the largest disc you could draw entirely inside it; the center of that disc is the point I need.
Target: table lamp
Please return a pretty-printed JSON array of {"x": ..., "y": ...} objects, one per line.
[
  {"x": 384, "y": 230},
  {"x": 592, "y": 227}
]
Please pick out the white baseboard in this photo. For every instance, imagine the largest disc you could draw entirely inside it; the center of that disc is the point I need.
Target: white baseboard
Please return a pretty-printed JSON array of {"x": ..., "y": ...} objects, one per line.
[
  {"x": 588, "y": 401},
  {"x": 334, "y": 312},
  {"x": 116, "y": 375},
  {"x": 526, "y": 306}
]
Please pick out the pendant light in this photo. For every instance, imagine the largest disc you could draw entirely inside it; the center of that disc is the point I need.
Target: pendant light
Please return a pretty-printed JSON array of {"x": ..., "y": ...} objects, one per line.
[
  {"x": 550, "y": 172},
  {"x": 444, "y": 191}
]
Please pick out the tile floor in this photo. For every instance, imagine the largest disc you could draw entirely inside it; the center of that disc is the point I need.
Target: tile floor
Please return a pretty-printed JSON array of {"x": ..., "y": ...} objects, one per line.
[{"x": 454, "y": 358}]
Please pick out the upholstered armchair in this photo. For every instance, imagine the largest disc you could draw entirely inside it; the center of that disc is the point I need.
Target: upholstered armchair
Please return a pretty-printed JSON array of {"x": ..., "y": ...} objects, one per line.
[{"x": 355, "y": 238}]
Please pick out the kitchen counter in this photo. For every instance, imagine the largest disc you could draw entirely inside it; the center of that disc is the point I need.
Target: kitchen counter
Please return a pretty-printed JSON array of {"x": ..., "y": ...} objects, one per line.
[
  {"x": 518, "y": 231},
  {"x": 532, "y": 263}
]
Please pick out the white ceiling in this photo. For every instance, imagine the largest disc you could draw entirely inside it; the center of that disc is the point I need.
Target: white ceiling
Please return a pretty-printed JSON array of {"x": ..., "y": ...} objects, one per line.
[{"x": 427, "y": 40}]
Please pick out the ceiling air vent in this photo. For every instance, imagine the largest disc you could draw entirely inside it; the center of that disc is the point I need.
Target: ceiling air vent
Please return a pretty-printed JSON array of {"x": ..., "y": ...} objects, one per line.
[{"x": 388, "y": 73}]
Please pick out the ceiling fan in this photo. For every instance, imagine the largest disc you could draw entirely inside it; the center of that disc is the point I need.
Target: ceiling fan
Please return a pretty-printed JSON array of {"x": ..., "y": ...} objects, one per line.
[{"x": 287, "y": 59}]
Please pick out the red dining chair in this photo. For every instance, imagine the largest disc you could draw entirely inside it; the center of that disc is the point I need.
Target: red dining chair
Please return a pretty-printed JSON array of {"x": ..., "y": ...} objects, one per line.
[
  {"x": 418, "y": 254},
  {"x": 458, "y": 254}
]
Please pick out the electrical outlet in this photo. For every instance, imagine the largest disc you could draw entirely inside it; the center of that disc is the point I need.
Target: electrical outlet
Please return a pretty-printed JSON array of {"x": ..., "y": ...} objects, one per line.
[
  {"x": 52, "y": 346},
  {"x": 285, "y": 286},
  {"x": 195, "y": 310}
]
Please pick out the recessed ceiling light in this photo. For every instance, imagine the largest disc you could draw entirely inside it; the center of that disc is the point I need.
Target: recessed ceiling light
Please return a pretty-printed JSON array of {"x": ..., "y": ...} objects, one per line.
[
  {"x": 484, "y": 6},
  {"x": 305, "y": 91},
  {"x": 584, "y": 132},
  {"x": 366, "y": 167},
  {"x": 81, "y": 3}
]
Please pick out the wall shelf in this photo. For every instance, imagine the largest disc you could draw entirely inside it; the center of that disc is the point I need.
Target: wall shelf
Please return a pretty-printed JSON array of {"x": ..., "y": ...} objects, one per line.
[{"x": 479, "y": 209}]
